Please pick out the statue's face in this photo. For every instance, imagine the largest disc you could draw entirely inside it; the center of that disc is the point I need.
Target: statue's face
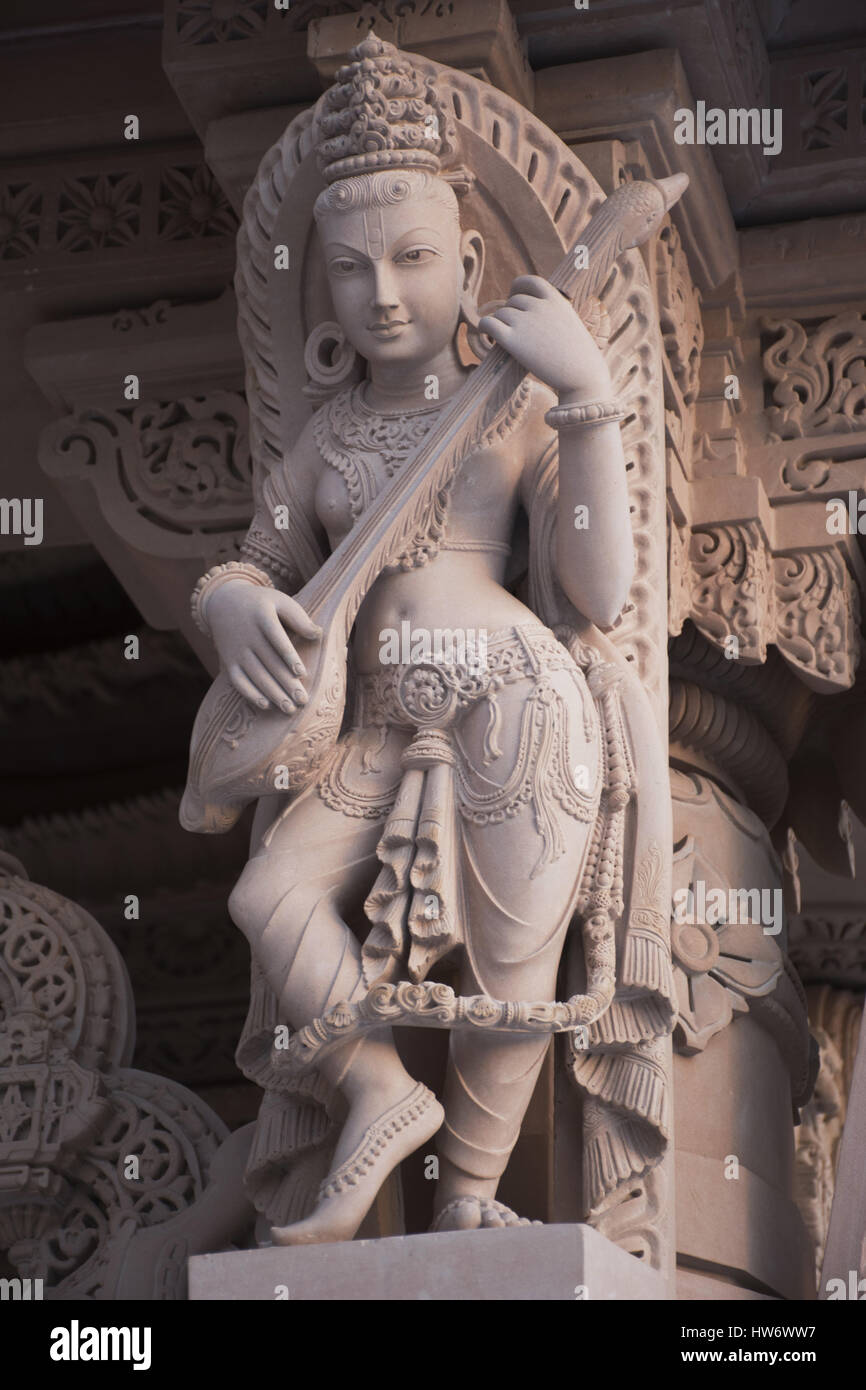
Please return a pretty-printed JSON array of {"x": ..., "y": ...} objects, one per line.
[{"x": 396, "y": 275}]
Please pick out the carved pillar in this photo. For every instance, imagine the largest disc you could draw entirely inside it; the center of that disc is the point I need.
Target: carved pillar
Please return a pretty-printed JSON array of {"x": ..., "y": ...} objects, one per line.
[
  {"x": 764, "y": 607},
  {"x": 764, "y": 611},
  {"x": 644, "y": 1220},
  {"x": 743, "y": 1053}
]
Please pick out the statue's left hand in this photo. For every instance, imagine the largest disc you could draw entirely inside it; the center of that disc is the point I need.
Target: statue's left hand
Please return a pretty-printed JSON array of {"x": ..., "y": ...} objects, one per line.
[{"x": 539, "y": 327}]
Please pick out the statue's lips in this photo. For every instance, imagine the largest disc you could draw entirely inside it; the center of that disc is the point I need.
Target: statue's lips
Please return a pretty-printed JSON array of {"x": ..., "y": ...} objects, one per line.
[{"x": 387, "y": 330}]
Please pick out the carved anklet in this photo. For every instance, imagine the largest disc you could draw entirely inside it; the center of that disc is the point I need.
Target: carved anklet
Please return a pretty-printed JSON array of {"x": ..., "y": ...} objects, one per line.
[{"x": 376, "y": 1136}]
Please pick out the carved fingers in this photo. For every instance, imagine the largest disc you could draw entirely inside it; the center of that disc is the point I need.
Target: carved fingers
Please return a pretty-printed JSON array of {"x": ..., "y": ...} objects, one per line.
[
  {"x": 271, "y": 679},
  {"x": 534, "y": 285},
  {"x": 278, "y": 638},
  {"x": 527, "y": 292},
  {"x": 244, "y": 686},
  {"x": 540, "y": 328},
  {"x": 292, "y": 613},
  {"x": 256, "y": 651}
]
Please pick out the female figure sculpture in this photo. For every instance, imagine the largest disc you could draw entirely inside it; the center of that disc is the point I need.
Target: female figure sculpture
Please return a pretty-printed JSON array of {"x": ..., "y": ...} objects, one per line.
[{"x": 461, "y": 804}]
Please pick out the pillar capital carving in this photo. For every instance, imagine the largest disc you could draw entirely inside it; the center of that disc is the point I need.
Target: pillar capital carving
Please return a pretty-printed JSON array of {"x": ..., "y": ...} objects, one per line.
[{"x": 733, "y": 585}]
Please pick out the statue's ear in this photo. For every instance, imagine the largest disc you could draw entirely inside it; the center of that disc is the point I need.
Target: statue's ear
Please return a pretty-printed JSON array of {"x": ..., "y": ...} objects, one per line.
[{"x": 472, "y": 255}]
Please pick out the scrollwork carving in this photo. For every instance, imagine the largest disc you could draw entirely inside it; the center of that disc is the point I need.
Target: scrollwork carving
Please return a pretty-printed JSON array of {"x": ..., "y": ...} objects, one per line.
[
  {"x": 804, "y": 474},
  {"x": 818, "y": 617},
  {"x": 817, "y": 375},
  {"x": 163, "y": 472},
  {"x": 734, "y": 594},
  {"x": 741, "y": 597}
]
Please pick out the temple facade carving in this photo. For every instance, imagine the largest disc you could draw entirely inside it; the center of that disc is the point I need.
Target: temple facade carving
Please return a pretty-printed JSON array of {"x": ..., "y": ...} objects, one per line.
[{"x": 717, "y": 713}]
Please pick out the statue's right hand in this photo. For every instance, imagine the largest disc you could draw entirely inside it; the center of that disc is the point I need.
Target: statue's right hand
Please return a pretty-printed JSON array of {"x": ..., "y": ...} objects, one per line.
[{"x": 248, "y": 625}]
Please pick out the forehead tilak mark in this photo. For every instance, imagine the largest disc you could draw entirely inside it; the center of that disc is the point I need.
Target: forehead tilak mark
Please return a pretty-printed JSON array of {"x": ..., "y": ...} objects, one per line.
[{"x": 374, "y": 232}]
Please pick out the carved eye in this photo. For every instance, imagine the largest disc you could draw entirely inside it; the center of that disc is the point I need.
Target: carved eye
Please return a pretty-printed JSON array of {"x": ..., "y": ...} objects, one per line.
[
  {"x": 343, "y": 265},
  {"x": 416, "y": 255}
]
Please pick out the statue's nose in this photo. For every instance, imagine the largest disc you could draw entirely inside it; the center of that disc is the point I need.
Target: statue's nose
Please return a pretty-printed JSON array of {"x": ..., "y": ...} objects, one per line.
[{"x": 384, "y": 290}]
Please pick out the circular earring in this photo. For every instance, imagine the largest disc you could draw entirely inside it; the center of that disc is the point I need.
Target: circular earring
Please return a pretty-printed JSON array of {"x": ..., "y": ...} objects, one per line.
[{"x": 330, "y": 360}]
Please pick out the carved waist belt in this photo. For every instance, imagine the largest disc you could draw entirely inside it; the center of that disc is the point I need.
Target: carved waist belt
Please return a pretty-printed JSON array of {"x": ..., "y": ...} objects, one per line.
[{"x": 433, "y": 693}]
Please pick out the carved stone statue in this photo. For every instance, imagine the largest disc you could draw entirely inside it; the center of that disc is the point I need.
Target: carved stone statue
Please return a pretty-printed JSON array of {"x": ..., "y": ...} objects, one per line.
[{"x": 444, "y": 747}]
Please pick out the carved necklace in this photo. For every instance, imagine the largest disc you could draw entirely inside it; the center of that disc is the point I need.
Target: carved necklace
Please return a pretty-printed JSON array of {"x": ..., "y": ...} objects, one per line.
[
  {"x": 348, "y": 432},
  {"x": 395, "y": 434},
  {"x": 351, "y": 435}
]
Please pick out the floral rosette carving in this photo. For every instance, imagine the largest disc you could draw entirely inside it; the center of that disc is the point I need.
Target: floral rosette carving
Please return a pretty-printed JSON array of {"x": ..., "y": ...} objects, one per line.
[{"x": 717, "y": 970}]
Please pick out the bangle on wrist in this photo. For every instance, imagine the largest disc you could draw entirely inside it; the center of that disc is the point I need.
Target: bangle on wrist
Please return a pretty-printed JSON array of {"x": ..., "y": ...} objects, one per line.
[
  {"x": 221, "y": 574},
  {"x": 566, "y": 417}
]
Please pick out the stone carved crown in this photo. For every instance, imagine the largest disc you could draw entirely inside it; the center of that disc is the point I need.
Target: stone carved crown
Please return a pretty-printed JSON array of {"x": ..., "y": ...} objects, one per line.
[{"x": 381, "y": 113}]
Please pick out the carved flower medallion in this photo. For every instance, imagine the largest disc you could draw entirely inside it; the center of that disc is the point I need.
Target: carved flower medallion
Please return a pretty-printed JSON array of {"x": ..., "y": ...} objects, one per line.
[{"x": 718, "y": 965}]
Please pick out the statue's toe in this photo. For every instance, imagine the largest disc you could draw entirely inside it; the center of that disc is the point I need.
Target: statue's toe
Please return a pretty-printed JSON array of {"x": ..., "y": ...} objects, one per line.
[{"x": 478, "y": 1213}]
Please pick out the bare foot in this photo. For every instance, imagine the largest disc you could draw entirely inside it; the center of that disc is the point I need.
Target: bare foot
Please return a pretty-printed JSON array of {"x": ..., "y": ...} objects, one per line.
[
  {"x": 478, "y": 1213},
  {"x": 350, "y": 1188}
]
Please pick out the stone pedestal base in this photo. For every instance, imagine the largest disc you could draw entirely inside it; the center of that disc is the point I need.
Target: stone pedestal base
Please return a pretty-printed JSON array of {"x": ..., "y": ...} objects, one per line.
[{"x": 551, "y": 1263}]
